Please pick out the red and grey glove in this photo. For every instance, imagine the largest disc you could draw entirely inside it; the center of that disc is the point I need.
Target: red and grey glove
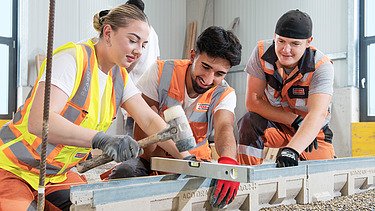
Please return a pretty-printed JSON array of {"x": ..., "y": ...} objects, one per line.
[
  {"x": 224, "y": 190},
  {"x": 296, "y": 124}
]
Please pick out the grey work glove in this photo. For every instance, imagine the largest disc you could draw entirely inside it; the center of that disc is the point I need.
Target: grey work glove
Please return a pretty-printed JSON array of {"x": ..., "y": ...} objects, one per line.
[
  {"x": 296, "y": 124},
  {"x": 119, "y": 148}
]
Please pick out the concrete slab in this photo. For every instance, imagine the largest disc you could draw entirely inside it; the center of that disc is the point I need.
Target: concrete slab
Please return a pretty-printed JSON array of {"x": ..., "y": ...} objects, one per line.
[{"x": 267, "y": 187}]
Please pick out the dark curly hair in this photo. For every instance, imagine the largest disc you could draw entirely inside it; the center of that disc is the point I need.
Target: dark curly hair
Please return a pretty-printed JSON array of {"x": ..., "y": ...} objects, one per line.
[{"x": 218, "y": 42}]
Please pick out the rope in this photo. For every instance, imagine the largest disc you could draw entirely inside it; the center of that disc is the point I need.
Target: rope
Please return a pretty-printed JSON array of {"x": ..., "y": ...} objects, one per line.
[{"x": 47, "y": 91}]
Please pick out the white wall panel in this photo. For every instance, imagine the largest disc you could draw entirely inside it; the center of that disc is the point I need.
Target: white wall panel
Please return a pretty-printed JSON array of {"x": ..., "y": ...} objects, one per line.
[
  {"x": 86, "y": 11},
  {"x": 73, "y": 22},
  {"x": 168, "y": 17}
]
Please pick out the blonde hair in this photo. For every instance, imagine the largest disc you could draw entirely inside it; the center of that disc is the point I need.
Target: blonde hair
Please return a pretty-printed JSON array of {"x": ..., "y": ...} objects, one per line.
[{"x": 117, "y": 17}]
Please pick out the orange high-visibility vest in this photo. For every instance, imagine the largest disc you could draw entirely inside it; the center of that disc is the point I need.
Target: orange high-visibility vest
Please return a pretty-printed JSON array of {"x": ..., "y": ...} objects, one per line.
[
  {"x": 171, "y": 91},
  {"x": 290, "y": 92}
]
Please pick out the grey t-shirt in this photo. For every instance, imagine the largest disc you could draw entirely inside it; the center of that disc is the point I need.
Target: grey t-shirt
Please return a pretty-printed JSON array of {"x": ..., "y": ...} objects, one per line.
[{"x": 322, "y": 80}]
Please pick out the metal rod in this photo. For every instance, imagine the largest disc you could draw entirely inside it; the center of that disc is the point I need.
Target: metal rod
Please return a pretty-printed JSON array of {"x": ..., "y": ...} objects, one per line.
[{"x": 47, "y": 90}]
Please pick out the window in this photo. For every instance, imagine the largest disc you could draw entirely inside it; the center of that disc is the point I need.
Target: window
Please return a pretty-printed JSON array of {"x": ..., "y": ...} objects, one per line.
[
  {"x": 8, "y": 58},
  {"x": 367, "y": 61}
]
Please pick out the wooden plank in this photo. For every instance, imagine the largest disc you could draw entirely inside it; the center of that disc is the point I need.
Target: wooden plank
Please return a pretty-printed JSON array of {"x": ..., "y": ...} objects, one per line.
[
  {"x": 270, "y": 154},
  {"x": 39, "y": 58},
  {"x": 363, "y": 139}
]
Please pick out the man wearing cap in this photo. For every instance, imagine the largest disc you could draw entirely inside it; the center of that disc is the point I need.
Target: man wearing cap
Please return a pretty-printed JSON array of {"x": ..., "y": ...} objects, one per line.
[{"x": 289, "y": 92}]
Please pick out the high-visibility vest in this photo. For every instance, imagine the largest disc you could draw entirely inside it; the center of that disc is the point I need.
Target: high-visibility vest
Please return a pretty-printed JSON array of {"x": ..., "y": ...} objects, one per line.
[
  {"x": 290, "y": 92},
  {"x": 171, "y": 92},
  {"x": 20, "y": 150}
]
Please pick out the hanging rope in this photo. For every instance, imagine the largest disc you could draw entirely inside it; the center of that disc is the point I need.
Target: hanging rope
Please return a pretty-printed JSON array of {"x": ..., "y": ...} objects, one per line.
[{"x": 47, "y": 91}]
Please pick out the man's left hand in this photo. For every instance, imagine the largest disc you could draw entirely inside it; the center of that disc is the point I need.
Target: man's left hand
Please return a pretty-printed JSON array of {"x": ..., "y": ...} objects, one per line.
[{"x": 224, "y": 191}]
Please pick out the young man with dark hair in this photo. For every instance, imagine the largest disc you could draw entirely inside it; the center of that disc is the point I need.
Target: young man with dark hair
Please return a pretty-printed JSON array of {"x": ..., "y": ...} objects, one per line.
[
  {"x": 198, "y": 85},
  {"x": 289, "y": 92}
]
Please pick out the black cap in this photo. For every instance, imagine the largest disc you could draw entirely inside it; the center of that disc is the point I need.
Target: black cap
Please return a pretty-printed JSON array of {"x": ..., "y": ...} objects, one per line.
[{"x": 294, "y": 24}]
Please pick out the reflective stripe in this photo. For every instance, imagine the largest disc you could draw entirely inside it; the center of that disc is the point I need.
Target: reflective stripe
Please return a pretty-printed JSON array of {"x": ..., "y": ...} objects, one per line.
[
  {"x": 83, "y": 90},
  {"x": 24, "y": 156},
  {"x": 195, "y": 116},
  {"x": 284, "y": 104},
  {"x": 71, "y": 114},
  {"x": 49, "y": 149},
  {"x": 164, "y": 85},
  {"x": 202, "y": 142},
  {"x": 214, "y": 101},
  {"x": 250, "y": 151},
  {"x": 17, "y": 116},
  {"x": 198, "y": 117},
  {"x": 301, "y": 104},
  {"x": 80, "y": 96},
  {"x": 118, "y": 84},
  {"x": 6, "y": 134},
  {"x": 304, "y": 78}
]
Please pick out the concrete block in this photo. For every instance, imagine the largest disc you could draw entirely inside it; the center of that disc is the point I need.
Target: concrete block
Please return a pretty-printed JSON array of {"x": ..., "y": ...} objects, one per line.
[
  {"x": 174, "y": 192},
  {"x": 267, "y": 187},
  {"x": 339, "y": 177}
]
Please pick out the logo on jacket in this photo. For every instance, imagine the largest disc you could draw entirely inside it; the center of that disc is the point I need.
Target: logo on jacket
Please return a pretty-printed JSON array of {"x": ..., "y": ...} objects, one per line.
[
  {"x": 203, "y": 106},
  {"x": 80, "y": 155},
  {"x": 298, "y": 91}
]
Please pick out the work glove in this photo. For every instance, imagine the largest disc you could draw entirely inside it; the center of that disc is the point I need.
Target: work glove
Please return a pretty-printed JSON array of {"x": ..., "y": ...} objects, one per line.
[
  {"x": 287, "y": 157},
  {"x": 136, "y": 167},
  {"x": 119, "y": 148},
  {"x": 224, "y": 191},
  {"x": 296, "y": 124}
]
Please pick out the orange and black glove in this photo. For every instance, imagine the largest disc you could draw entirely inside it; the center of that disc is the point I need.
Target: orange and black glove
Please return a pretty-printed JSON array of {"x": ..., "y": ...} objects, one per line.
[
  {"x": 224, "y": 191},
  {"x": 296, "y": 124}
]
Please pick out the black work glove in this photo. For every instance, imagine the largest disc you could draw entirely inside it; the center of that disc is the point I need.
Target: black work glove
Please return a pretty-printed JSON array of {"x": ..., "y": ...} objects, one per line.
[
  {"x": 296, "y": 124},
  {"x": 287, "y": 157},
  {"x": 119, "y": 148}
]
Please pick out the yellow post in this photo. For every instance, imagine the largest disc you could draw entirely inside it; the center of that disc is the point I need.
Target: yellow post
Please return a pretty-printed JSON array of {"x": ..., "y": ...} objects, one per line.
[{"x": 363, "y": 139}]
